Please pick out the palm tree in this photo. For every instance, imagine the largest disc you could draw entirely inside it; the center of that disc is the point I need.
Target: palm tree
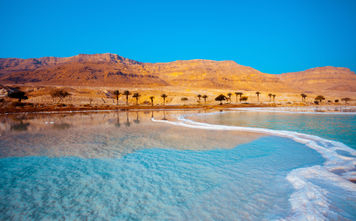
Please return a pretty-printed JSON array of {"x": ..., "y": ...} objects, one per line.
[
  {"x": 238, "y": 94},
  {"x": 258, "y": 96},
  {"x": 117, "y": 94},
  {"x": 274, "y": 96},
  {"x": 270, "y": 97},
  {"x": 303, "y": 96},
  {"x": 127, "y": 94},
  {"x": 205, "y": 97},
  {"x": 136, "y": 96},
  {"x": 199, "y": 96},
  {"x": 229, "y": 96},
  {"x": 221, "y": 98},
  {"x": 151, "y": 98},
  {"x": 319, "y": 98},
  {"x": 164, "y": 96}
]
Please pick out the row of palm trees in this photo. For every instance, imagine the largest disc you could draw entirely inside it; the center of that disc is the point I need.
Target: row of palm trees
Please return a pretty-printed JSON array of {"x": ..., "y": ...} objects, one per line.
[
  {"x": 202, "y": 96},
  {"x": 135, "y": 95},
  {"x": 222, "y": 97},
  {"x": 219, "y": 98},
  {"x": 238, "y": 96}
]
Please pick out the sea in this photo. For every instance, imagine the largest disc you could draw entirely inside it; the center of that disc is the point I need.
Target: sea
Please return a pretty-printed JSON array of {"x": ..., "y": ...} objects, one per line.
[{"x": 231, "y": 164}]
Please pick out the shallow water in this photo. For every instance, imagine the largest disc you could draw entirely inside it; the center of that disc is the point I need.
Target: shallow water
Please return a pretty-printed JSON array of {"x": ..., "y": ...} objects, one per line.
[
  {"x": 104, "y": 135},
  {"x": 123, "y": 165},
  {"x": 338, "y": 127}
]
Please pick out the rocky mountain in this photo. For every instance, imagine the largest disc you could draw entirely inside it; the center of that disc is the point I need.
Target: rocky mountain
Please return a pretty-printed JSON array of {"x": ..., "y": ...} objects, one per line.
[
  {"x": 114, "y": 70},
  {"x": 322, "y": 78}
]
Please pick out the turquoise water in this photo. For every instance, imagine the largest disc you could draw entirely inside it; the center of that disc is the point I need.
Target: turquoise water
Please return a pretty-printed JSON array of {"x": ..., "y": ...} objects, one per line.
[
  {"x": 124, "y": 166},
  {"x": 336, "y": 127},
  {"x": 156, "y": 184}
]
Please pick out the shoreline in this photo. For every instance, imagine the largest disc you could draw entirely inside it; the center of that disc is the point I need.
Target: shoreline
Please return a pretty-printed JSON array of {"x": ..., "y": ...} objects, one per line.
[{"x": 71, "y": 108}]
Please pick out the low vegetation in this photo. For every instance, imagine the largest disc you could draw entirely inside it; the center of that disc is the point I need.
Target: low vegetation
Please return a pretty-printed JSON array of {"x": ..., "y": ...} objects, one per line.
[
  {"x": 20, "y": 95},
  {"x": 346, "y": 99},
  {"x": 184, "y": 99},
  {"x": 221, "y": 98},
  {"x": 243, "y": 98},
  {"x": 319, "y": 99},
  {"x": 59, "y": 94}
]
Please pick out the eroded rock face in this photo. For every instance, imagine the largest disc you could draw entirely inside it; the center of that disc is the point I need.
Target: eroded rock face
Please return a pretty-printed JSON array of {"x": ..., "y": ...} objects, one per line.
[
  {"x": 97, "y": 69},
  {"x": 114, "y": 70}
]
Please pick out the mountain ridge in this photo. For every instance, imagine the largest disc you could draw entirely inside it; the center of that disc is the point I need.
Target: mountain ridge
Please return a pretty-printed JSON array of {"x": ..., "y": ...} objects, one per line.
[{"x": 114, "y": 70}]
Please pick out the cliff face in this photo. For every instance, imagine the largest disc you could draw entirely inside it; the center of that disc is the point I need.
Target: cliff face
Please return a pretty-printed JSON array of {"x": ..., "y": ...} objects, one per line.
[
  {"x": 114, "y": 70},
  {"x": 91, "y": 70}
]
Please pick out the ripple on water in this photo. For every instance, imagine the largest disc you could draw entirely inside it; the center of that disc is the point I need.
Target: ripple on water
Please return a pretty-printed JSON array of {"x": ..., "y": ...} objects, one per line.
[{"x": 240, "y": 183}]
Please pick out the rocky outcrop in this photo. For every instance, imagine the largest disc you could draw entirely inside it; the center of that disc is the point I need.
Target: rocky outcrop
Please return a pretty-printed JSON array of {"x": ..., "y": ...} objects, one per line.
[{"x": 114, "y": 70}]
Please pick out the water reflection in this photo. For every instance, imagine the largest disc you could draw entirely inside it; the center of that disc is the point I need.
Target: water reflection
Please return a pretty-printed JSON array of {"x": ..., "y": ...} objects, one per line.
[
  {"x": 20, "y": 126},
  {"x": 127, "y": 120},
  {"x": 137, "y": 121},
  {"x": 96, "y": 135},
  {"x": 164, "y": 115},
  {"x": 117, "y": 124},
  {"x": 62, "y": 126}
]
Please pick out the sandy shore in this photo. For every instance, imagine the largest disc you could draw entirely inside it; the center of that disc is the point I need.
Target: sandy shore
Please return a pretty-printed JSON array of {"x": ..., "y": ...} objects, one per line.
[
  {"x": 30, "y": 108},
  {"x": 94, "y": 99}
]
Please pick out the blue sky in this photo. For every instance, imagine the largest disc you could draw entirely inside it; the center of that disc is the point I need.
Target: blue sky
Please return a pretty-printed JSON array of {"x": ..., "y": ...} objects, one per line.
[{"x": 273, "y": 36}]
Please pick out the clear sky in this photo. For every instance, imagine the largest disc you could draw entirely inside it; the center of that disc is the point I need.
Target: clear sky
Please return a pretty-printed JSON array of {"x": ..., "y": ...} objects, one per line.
[{"x": 273, "y": 36}]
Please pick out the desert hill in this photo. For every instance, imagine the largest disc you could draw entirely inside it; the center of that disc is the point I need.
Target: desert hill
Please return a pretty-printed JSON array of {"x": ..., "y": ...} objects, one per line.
[{"x": 114, "y": 70}]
